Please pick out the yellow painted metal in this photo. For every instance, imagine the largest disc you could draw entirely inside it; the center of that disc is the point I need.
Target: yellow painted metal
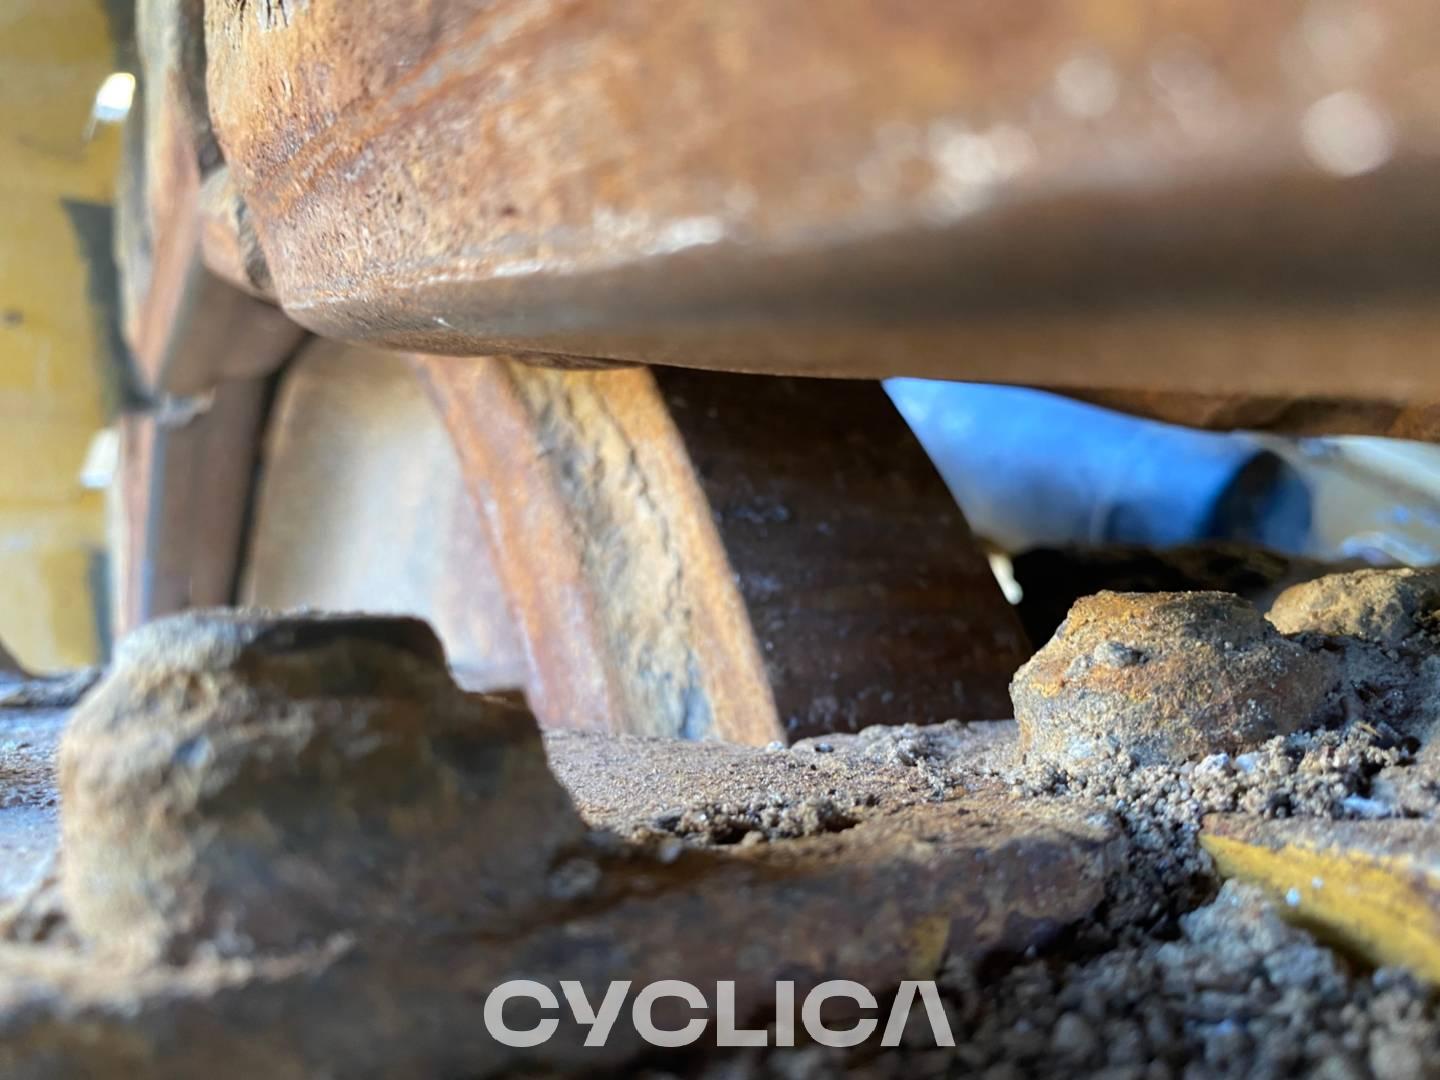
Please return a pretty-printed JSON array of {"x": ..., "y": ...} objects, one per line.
[
  {"x": 54, "y": 367},
  {"x": 1380, "y": 902}
]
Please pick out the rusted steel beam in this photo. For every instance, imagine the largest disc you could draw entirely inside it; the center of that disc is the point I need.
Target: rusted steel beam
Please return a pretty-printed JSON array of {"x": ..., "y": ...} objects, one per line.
[
  {"x": 168, "y": 144},
  {"x": 704, "y": 555},
  {"x": 870, "y": 598},
  {"x": 1288, "y": 415},
  {"x": 228, "y": 246},
  {"x": 603, "y": 541},
  {"x": 187, "y": 329},
  {"x": 199, "y": 347},
  {"x": 1197, "y": 195},
  {"x": 181, "y": 494}
]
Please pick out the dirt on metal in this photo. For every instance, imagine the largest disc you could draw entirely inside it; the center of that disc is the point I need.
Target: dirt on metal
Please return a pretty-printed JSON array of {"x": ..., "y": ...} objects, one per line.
[
  {"x": 1072, "y": 908},
  {"x": 1166, "y": 676},
  {"x": 275, "y": 825}
]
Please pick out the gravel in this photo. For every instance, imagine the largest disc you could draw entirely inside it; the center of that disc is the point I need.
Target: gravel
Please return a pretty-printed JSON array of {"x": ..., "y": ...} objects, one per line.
[{"x": 1180, "y": 976}]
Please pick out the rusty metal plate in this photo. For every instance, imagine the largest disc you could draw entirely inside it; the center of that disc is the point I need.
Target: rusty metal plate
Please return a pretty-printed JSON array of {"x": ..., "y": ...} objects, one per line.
[
  {"x": 187, "y": 328},
  {"x": 701, "y": 555},
  {"x": 869, "y": 598},
  {"x": 619, "y": 585},
  {"x": 179, "y": 502},
  {"x": 1289, "y": 415},
  {"x": 1193, "y": 195},
  {"x": 333, "y": 830}
]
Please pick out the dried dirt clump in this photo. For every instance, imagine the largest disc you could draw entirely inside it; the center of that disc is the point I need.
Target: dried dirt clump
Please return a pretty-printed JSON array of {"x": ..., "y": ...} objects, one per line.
[
  {"x": 1383, "y": 629},
  {"x": 1385, "y": 607}
]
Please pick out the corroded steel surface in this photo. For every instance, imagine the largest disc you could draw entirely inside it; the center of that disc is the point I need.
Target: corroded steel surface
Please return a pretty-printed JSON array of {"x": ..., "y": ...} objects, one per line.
[
  {"x": 338, "y": 853},
  {"x": 1288, "y": 415},
  {"x": 702, "y": 555},
  {"x": 187, "y": 329},
  {"x": 1189, "y": 195},
  {"x": 869, "y": 597},
  {"x": 180, "y": 502},
  {"x": 603, "y": 541}
]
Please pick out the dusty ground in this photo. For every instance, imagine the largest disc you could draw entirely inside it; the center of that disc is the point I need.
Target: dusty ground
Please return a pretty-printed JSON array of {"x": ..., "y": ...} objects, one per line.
[
  {"x": 29, "y": 803},
  {"x": 1177, "y": 977}
]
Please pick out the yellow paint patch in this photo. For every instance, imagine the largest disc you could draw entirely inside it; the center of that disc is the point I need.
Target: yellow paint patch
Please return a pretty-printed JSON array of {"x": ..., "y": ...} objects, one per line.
[{"x": 1383, "y": 907}]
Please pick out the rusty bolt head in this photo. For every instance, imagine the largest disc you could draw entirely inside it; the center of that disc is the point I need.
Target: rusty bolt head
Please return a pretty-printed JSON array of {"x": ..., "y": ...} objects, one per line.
[
  {"x": 1165, "y": 676},
  {"x": 243, "y": 782}
]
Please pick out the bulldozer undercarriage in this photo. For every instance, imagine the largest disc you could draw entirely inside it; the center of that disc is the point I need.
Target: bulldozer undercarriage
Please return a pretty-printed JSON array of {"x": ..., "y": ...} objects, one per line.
[{"x": 550, "y": 336}]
